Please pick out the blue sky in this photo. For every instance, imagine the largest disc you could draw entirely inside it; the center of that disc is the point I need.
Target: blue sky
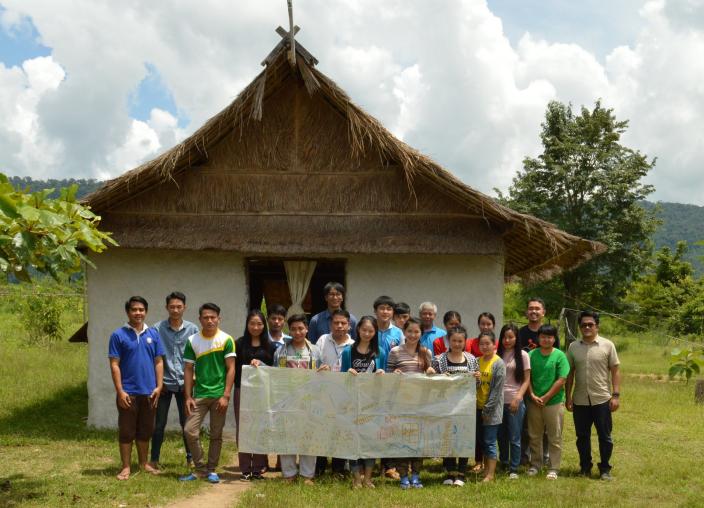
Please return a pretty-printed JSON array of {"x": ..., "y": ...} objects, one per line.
[{"x": 92, "y": 88}]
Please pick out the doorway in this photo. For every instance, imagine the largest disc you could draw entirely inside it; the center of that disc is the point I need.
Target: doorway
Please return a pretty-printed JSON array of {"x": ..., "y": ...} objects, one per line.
[{"x": 267, "y": 282}]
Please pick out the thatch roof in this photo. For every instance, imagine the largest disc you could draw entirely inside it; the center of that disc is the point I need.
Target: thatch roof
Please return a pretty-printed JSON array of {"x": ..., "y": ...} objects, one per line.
[{"x": 534, "y": 249}]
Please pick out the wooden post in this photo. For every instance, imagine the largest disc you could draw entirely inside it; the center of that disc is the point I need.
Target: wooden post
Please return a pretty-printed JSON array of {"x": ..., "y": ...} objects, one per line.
[{"x": 699, "y": 391}]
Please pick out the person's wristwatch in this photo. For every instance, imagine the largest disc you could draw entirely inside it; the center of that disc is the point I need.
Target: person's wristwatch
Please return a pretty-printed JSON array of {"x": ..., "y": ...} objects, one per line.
[{"x": 615, "y": 395}]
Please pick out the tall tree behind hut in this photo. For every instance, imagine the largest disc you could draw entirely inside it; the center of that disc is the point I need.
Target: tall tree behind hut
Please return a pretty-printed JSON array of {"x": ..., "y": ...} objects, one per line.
[{"x": 589, "y": 184}]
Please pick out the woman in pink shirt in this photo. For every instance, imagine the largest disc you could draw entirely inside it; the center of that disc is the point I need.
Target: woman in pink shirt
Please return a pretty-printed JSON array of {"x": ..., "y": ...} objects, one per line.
[{"x": 515, "y": 386}]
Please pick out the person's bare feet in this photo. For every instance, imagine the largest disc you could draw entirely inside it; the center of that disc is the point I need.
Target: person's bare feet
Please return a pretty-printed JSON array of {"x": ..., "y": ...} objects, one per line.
[
  {"x": 477, "y": 468},
  {"x": 488, "y": 479},
  {"x": 124, "y": 474},
  {"x": 148, "y": 468},
  {"x": 369, "y": 484},
  {"x": 308, "y": 481}
]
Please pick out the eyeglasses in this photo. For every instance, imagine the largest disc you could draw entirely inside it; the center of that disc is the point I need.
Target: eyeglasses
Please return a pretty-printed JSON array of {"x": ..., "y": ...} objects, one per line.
[{"x": 587, "y": 325}]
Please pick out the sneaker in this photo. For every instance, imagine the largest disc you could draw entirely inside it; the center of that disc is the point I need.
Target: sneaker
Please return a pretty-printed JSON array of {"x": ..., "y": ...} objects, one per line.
[
  {"x": 213, "y": 478},
  {"x": 415, "y": 482},
  {"x": 552, "y": 475},
  {"x": 257, "y": 476},
  {"x": 449, "y": 480},
  {"x": 606, "y": 476},
  {"x": 405, "y": 483},
  {"x": 245, "y": 477},
  {"x": 459, "y": 481},
  {"x": 585, "y": 472},
  {"x": 187, "y": 478},
  {"x": 532, "y": 471},
  {"x": 513, "y": 476}
]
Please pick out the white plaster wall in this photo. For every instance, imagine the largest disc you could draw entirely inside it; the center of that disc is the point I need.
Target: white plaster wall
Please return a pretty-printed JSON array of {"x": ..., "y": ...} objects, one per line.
[
  {"x": 467, "y": 284},
  {"x": 217, "y": 277}
]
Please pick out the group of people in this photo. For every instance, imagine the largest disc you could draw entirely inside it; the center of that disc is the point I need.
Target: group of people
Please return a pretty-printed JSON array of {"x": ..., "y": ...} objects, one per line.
[{"x": 524, "y": 382}]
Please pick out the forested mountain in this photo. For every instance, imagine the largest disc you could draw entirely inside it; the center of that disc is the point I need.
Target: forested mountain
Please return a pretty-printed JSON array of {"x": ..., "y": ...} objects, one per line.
[
  {"x": 680, "y": 221},
  {"x": 85, "y": 187}
]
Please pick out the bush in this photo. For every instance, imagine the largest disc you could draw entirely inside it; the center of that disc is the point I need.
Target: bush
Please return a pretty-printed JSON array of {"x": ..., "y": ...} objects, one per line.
[{"x": 41, "y": 308}]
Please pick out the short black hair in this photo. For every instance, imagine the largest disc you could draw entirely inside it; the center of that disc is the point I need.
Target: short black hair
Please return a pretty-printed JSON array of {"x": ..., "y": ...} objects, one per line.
[
  {"x": 340, "y": 312},
  {"x": 401, "y": 308},
  {"x": 548, "y": 330},
  {"x": 589, "y": 313},
  {"x": 384, "y": 300},
  {"x": 536, "y": 299},
  {"x": 333, "y": 286},
  {"x": 489, "y": 334},
  {"x": 175, "y": 295},
  {"x": 209, "y": 306},
  {"x": 277, "y": 309},
  {"x": 297, "y": 318},
  {"x": 136, "y": 299}
]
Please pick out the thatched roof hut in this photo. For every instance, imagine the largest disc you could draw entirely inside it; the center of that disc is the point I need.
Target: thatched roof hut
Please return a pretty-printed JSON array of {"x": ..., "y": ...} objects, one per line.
[
  {"x": 292, "y": 169},
  {"x": 275, "y": 126}
]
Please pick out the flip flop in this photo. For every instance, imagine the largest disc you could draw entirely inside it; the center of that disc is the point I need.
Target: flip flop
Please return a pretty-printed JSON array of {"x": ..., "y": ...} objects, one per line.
[
  {"x": 188, "y": 478},
  {"x": 123, "y": 476}
]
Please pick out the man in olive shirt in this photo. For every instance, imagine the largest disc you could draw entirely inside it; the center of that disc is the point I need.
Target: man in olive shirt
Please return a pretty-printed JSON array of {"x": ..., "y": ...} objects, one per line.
[{"x": 593, "y": 360}]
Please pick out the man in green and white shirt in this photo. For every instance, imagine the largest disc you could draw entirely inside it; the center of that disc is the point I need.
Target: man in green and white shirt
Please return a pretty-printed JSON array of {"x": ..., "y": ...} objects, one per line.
[{"x": 210, "y": 355}]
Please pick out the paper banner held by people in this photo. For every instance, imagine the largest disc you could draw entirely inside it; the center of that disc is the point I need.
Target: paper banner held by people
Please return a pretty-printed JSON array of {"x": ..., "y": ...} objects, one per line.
[{"x": 297, "y": 411}]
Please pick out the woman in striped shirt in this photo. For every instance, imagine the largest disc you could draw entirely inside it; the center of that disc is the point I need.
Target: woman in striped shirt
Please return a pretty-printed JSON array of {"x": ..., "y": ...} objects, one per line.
[{"x": 409, "y": 358}]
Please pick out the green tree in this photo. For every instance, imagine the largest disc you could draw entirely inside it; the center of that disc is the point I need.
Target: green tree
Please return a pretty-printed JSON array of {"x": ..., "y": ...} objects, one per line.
[
  {"x": 45, "y": 235},
  {"x": 589, "y": 184},
  {"x": 659, "y": 296}
]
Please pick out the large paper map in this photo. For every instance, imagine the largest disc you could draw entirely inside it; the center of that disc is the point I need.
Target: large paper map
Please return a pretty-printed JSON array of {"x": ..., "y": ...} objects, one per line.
[{"x": 299, "y": 411}]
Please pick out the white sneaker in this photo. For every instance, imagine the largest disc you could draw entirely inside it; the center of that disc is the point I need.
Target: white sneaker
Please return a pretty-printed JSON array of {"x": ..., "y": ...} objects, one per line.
[
  {"x": 449, "y": 481},
  {"x": 552, "y": 475},
  {"x": 532, "y": 471},
  {"x": 459, "y": 483},
  {"x": 513, "y": 476}
]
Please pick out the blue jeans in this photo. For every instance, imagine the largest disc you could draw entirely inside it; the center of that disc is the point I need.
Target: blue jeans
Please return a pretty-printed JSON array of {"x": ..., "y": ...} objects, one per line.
[
  {"x": 510, "y": 437},
  {"x": 489, "y": 433},
  {"x": 162, "y": 415}
]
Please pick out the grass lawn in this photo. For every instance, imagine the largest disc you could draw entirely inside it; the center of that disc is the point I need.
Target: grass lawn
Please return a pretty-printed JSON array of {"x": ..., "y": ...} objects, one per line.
[
  {"x": 49, "y": 456},
  {"x": 659, "y": 445}
]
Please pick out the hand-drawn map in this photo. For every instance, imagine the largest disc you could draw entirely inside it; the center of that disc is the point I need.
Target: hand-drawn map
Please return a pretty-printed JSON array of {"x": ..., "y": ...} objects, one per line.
[{"x": 333, "y": 414}]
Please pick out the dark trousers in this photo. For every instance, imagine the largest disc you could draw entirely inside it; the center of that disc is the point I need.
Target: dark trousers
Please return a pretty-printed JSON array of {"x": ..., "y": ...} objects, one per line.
[
  {"x": 455, "y": 465},
  {"x": 338, "y": 465},
  {"x": 600, "y": 417},
  {"x": 162, "y": 415}
]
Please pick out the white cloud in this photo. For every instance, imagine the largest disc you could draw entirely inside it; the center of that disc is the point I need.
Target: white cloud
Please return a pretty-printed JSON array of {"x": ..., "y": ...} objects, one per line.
[{"x": 441, "y": 75}]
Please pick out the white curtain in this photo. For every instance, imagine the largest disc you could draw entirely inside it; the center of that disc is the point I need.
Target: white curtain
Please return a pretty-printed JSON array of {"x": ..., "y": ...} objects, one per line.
[{"x": 298, "y": 274}]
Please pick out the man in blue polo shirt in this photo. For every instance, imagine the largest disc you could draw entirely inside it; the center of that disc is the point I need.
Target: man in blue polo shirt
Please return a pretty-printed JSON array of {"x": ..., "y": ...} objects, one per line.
[
  {"x": 173, "y": 333},
  {"x": 320, "y": 324},
  {"x": 428, "y": 311},
  {"x": 137, "y": 369}
]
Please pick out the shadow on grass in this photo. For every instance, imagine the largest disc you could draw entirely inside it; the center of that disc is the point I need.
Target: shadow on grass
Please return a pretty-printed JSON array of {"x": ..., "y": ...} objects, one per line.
[
  {"x": 60, "y": 417},
  {"x": 17, "y": 489}
]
